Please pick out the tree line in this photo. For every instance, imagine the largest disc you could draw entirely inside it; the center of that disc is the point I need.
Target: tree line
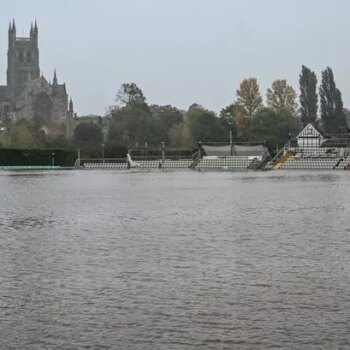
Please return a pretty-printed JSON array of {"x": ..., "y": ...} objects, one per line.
[{"x": 133, "y": 123}]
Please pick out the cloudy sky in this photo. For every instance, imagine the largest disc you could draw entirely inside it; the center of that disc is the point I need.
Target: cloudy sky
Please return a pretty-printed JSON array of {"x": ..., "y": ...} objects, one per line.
[{"x": 181, "y": 51}]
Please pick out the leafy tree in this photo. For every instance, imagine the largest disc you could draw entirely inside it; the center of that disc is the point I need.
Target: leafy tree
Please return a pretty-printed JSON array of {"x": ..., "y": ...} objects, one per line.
[
  {"x": 273, "y": 127},
  {"x": 88, "y": 135},
  {"x": 6, "y": 122},
  {"x": 58, "y": 141},
  {"x": 281, "y": 96},
  {"x": 130, "y": 95},
  {"x": 22, "y": 134},
  {"x": 308, "y": 96},
  {"x": 242, "y": 123},
  {"x": 227, "y": 118},
  {"x": 200, "y": 124},
  {"x": 165, "y": 119},
  {"x": 227, "y": 113},
  {"x": 132, "y": 126},
  {"x": 248, "y": 97},
  {"x": 5, "y": 140},
  {"x": 332, "y": 113},
  {"x": 132, "y": 122}
]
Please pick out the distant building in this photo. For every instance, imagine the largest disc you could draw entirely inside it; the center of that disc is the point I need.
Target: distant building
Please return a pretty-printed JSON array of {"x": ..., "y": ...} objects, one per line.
[
  {"x": 310, "y": 137},
  {"x": 28, "y": 94}
]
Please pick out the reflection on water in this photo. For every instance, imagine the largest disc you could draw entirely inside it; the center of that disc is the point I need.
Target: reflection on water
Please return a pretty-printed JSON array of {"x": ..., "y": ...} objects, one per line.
[{"x": 181, "y": 260}]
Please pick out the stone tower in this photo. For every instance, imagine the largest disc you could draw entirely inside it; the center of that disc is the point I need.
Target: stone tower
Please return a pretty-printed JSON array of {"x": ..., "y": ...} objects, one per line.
[
  {"x": 22, "y": 59},
  {"x": 29, "y": 95}
]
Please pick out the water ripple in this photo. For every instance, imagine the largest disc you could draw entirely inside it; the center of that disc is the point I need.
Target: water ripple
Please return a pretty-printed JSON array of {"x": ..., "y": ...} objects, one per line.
[{"x": 113, "y": 260}]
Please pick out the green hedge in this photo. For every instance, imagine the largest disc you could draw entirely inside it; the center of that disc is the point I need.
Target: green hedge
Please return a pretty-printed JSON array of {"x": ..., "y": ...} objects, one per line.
[
  {"x": 67, "y": 157},
  {"x": 11, "y": 156}
]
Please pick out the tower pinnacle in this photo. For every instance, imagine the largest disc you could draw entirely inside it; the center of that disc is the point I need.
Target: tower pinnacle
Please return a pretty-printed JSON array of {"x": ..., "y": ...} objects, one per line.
[
  {"x": 71, "y": 105},
  {"x": 54, "y": 81}
]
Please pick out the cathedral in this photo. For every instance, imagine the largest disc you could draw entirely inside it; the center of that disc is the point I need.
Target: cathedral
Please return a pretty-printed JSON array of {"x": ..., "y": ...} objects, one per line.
[{"x": 28, "y": 94}]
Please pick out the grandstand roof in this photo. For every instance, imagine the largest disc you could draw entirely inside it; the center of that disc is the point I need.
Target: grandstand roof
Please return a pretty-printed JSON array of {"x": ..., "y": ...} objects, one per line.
[{"x": 237, "y": 150}]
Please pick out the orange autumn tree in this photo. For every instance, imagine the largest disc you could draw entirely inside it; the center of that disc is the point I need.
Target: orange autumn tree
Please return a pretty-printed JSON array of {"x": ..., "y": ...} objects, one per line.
[
  {"x": 248, "y": 102},
  {"x": 249, "y": 98}
]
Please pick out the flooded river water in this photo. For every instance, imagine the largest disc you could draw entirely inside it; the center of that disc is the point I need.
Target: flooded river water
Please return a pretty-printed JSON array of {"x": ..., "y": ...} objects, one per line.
[{"x": 177, "y": 260}]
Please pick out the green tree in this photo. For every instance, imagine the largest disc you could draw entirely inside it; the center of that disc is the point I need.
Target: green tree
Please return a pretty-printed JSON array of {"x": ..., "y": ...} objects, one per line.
[
  {"x": 58, "y": 141},
  {"x": 5, "y": 139},
  {"x": 308, "y": 96},
  {"x": 227, "y": 119},
  {"x": 273, "y": 127},
  {"x": 132, "y": 123},
  {"x": 200, "y": 124},
  {"x": 23, "y": 135},
  {"x": 281, "y": 96},
  {"x": 130, "y": 95},
  {"x": 88, "y": 135},
  {"x": 248, "y": 97},
  {"x": 332, "y": 113},
  {"x": 165, "y": 118}
]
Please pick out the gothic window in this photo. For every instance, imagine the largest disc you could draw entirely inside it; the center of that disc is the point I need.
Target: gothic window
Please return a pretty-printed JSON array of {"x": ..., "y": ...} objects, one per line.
[
  {"x": 43, "y": 108},
  {"x": 29, "y": 56},
  {"x": 20, "y": 57}
]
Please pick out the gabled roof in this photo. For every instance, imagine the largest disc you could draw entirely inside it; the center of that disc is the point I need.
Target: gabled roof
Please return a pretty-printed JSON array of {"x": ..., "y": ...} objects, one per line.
[{"x": 310, "y": 131}]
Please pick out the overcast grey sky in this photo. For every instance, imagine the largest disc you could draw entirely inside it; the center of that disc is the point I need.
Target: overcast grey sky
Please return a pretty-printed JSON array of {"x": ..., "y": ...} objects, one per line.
[{"x": 181, "y": 51}]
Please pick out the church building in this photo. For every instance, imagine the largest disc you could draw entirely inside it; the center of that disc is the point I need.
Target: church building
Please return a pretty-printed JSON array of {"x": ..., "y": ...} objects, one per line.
[{"x": 28, "y": 94}]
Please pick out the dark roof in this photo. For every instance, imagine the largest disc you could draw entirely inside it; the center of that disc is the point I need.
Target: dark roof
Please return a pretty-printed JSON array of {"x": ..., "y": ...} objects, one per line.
[
  {"x": 238, "y": 150},
  {"x": 336, "y": 142},
  {"x": 312, "y": 135}
]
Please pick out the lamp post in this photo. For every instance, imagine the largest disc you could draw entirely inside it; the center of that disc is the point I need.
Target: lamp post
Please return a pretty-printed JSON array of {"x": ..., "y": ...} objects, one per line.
[
  {"x": 79, "y": 156},
  {"x": 289, "y": 137},
  {"x": 230, "y": 123},
  {"x": 163, "y": 151},
  {"x": 199, "y": 149},
  {"x": 103, "y": 153},
  {"x": 53, "y": 159}
]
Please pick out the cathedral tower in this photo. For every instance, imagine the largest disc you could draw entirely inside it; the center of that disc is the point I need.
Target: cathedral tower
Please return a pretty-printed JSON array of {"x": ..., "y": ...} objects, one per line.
[{"x": 22, "y": 59}]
